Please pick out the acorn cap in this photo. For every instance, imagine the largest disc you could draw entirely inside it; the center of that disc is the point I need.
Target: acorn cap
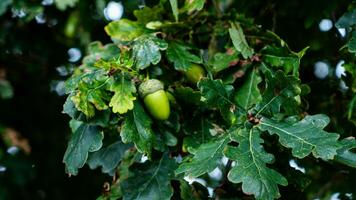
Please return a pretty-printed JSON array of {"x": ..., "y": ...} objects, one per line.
[{"x": 150, "y": 86}]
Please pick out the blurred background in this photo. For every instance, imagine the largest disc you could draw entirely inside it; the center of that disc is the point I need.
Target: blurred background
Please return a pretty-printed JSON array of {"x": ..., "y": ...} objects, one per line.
[{"x": 42, "y": 41}]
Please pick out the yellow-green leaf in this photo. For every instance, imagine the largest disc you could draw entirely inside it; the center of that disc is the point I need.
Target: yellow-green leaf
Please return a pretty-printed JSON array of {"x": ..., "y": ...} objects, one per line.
[{"x": 123, "y": 99}]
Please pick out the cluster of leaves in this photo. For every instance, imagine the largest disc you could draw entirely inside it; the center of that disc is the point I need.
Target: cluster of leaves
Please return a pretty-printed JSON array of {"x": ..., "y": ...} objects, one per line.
[
  {"x": 348, "y": 22},
  {"x": 251, "y": 94}
]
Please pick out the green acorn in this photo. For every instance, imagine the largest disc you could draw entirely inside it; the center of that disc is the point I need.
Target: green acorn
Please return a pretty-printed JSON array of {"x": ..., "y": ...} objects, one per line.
[
  {"x": 155, "y": 99},
  {"x": 195, "y": 73}
]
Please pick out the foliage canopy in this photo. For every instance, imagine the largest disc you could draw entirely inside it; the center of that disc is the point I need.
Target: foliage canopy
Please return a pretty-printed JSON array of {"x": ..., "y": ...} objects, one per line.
[
  {"x": 246, "y": 120},
  {"x": 252, "y": 88}
]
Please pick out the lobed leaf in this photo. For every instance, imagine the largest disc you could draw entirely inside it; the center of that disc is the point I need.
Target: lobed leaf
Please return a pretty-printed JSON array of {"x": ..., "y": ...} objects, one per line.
[
  {"x": 86, "y": 138},
  {"x": 249, "y": 94},
  {"x": 281, "y": 90},
  {"x": 251, "y": 166},
  {"x": 151, "y": 181},
  {"x": 147, "y": 14},
  {"x": 86, "y": 99},
  {"x": 101, "y": 118},
  {"x": 97, "y": 51},
  {"x": 215, "y": 93},
  {"x": 283, "y": 58},
  {"x": 347, "y": 20},
  {"x": 137, "y": 129},
  {"x": 179, "y": 55},
  {"x": 305, "y": 137},
  {"x": 146, "y": 50},
  {"x": 206, "y": 158},
  {"x": 188, "y": 95},
  {"x": 198, "y": 131},
  {"x": 123, "y": 98},
  {"x": 221, "y": 61},
  {"x": 345, "y": 154},
  {"x": 108, "y": 158}
]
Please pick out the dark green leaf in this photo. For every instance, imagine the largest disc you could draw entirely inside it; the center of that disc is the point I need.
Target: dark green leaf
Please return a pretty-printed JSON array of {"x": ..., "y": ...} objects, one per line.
[
  {"x": 221, "y": 61},
  {"x": 108, "y": 158},
  {"x": 188, "y": 95},
  {"x": 137, "y": 129},
  {"x": 148, "y": 14},
  {"x": 179, "y": 54},
  {"x": 251, "y": 170},
  {"x": 238, "y": 39},
  {"x": 206, "y": 158},
  {"x": 146, "y": 50},
  {"x": 215, "y": 93},
  {"x": 151, "y": 181},
  {"x": 96, "y": 52},
  {"x": 345, "y": 155},
  {"x": 281, "y": 90},
  {"x": 249, "y": 94},
  {"x": 305, "y": 137},
  {"x": 163, "y": 138},
  {"x": 198, "y": 132},
  {"x": 173, "y": 122},
  {"x": 282, "y": 58},
  {"x": 86, "y": 138},
  {"x": 69, "y": 107},
  {"x": 347, "y": 20},
  {"x": 188, "y": 192},
  {"x": 169, "y": 138}
]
